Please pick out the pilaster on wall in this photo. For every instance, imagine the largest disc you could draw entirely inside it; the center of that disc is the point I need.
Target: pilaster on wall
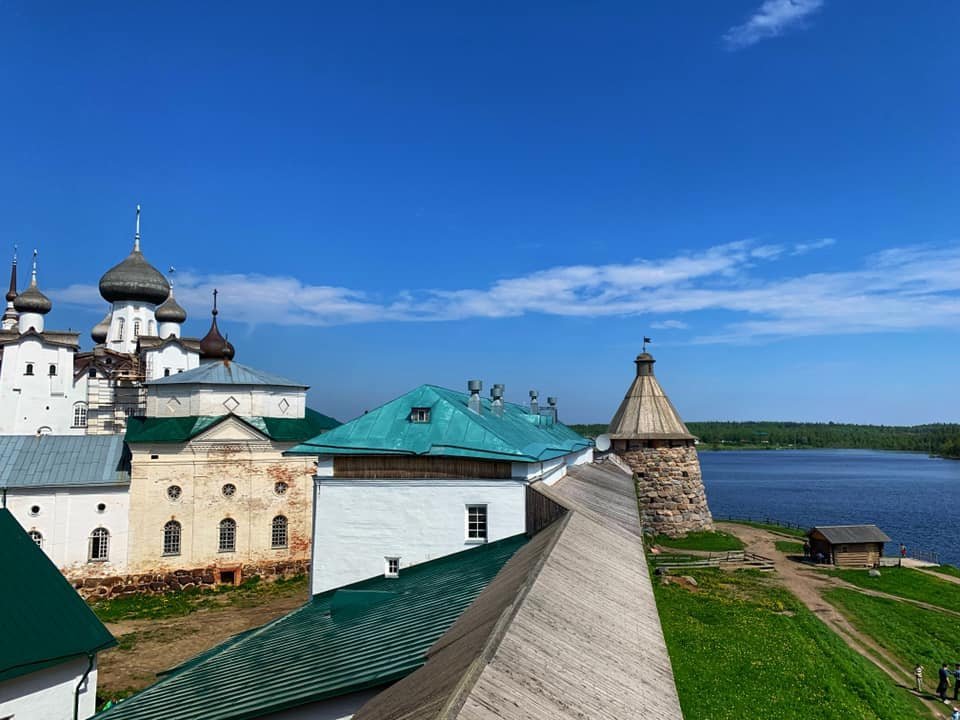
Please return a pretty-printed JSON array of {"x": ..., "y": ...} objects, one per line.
[{"x": 670, "y": 489}]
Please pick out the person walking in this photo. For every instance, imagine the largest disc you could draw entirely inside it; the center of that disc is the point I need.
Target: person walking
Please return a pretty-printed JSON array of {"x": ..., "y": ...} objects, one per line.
[
  {"x": 944, "y": 683},
  {"x": 956, "y": 683},
  {"x": 918, "y": 674}
]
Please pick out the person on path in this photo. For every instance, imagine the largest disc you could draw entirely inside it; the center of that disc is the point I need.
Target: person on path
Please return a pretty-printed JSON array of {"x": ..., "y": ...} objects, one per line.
[
  {"x": 956, "y": 683},
  {"x": 944, "y": 683},
  {"x": 918, "y": 674},
  {"x": 956, "y": 714}
]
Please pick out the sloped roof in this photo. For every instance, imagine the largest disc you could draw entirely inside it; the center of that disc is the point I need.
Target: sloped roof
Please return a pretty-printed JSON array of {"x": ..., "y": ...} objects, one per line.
[
  {"x": 361, "y": 636},
  {"x": 182, "y": 429},
  {"x": 568, "y": 630},
  {"x": 646, "y": 412},
  {"x": 63, "y": 460},
  {"x": 46, "y": 623},
  {"x": 226, "y": 373},
  {"x": 851, "y": 533},
  {"x": 62, "y": 338},
  {"x": 453, "y": 430}
]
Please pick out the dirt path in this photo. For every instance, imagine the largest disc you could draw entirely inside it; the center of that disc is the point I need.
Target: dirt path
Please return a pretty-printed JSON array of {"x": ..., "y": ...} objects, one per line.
[
  {"x": 808, "y": 585},
  {"x": 151, "y": 646}
]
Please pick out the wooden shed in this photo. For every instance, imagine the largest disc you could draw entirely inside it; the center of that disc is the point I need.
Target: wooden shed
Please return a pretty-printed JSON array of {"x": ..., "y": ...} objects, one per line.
[{"x": 848, "y": 545}]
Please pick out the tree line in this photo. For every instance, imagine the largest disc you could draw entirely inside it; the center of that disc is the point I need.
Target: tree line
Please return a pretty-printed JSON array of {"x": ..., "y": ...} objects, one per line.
[{"x": 935, "y": 439}]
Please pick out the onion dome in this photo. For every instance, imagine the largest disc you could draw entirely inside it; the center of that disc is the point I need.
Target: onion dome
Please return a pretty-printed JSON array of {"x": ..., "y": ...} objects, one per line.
[
  {"x": 101, "y": 329},
  {"x": 170, "y": 311},
  {"x": 214, "y": 346},
  {"x": 32, "y": 300},
  {"x": 134, "y": 279}
]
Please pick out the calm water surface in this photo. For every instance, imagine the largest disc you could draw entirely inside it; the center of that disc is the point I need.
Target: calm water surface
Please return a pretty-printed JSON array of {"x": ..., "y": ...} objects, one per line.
[{"x": 915, "y": 499}]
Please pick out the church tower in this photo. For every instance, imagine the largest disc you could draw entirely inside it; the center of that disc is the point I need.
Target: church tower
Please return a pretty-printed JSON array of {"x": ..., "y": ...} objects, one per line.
[{"x": 648, "y": 434}]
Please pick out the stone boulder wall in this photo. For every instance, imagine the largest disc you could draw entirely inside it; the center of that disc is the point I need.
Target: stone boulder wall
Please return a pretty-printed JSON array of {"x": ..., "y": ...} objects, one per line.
[
  {"x": 669, "y": 489},
  {"x": 164, "y": 581}
]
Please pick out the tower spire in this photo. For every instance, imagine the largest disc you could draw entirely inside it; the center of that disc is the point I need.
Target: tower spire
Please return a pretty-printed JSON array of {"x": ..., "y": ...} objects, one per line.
[
  {"x": 33, "y": 272},
  {"x": 136, "y": 235},
  {"x": 12, "y": 292}
]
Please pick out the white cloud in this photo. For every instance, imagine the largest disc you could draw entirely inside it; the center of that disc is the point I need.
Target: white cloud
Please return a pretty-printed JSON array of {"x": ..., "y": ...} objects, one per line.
[
  {"x": 771, "y": 19},
  {"x": 899, "y": 289}
]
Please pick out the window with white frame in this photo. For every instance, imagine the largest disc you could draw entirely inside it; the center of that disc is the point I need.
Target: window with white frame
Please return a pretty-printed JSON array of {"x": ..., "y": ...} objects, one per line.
[
  {"x": 136, "y": 328},
  {"x": 391, "y": 567},
  {"x": 99, "y": 549},
  {"x": 171, "y": 538},
  {"x": 420, "y": 415},
  {"x": 228, "y": 535},
  {"x": 477, "y": 523},
  {"x": 36, "y": 537},
  {"x": 80, "y": 414},
  {"x": 278, "y": 532}
]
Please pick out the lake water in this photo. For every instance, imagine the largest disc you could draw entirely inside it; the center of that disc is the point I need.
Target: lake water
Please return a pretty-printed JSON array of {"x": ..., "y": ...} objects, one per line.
[{"x": 914, "y": 498}]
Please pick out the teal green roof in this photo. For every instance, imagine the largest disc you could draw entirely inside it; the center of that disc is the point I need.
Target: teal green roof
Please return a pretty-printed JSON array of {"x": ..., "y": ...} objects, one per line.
[
  {"x": 453, "y": 430},
  {"x": 63, "y": 460},
  {"x": 357, "y": 637},
  {"x": 44, "y": 621},
  {"x": 182, "y": 429}
]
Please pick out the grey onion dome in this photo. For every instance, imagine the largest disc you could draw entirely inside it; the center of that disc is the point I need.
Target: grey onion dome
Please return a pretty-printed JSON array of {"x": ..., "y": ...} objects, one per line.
[
  {"x": 171, "y": 311},
  {"x": 101, "y": 329},
  {"x": 134, "y": 279},
  {"x": 32, "y": 300}
]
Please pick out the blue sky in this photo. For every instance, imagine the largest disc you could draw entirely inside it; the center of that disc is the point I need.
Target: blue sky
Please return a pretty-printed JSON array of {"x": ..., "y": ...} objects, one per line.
[{"x": 395, "y": 193}]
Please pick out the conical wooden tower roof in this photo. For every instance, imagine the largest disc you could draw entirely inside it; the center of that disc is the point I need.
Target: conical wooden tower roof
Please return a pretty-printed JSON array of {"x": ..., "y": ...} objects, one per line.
[{"x": 646, "y": 413}]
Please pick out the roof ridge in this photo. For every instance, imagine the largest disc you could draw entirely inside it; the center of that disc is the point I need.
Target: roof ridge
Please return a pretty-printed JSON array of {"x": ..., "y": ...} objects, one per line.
[{"x": 458, "y": 697}]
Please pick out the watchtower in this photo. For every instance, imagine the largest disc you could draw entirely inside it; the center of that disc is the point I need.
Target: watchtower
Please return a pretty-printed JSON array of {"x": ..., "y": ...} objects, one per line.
[{"x": 648, "y": 434}]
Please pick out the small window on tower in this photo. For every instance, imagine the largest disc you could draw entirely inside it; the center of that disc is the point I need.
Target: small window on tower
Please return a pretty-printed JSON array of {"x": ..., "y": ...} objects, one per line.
[
  {"x": 29, "y": 369},
  {"x": 120, "y": 324},
  {"x": 391, "y": 567},
  {"x": 52, "y": 370},
  {"x": 136, "y": 328},
  {"x": 166, "y": 372},
  {"x": 420, "y": 415},
  {"x": 92, "y": 372}
]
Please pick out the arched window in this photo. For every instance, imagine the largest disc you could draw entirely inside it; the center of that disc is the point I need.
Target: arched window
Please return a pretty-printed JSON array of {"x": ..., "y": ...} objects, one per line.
[
  {"x": 171, "y": 538},
  {"x": 120, "y": 324},
  {"x": 36, "y": 537},
  {"x": 52, "y": 371},
  {"x": 228, "y": 535},
  {"x": 80, "y": 414},
  {"x": 99, "y": 545},
  {"x": 136, "y": 328},
  {"x": 278, "y": 532},
  {"x": 29, "y": 369}
]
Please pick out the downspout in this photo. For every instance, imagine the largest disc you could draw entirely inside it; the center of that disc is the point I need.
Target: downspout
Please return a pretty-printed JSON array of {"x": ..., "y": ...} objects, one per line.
[
  {"x": 4, "y": 498},
  {"x": 91, "y": 657}
]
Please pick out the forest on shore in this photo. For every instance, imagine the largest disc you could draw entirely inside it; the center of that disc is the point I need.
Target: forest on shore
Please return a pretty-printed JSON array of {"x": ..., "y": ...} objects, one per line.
[{"x": 935, "y": 439}]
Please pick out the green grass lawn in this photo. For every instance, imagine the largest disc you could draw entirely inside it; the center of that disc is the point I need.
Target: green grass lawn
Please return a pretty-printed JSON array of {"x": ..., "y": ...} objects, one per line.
[
  {"x": 795, "y": 532},
  {"x": 176, "y": 604},
  {"x": 907, "y": 583},
  {"x": 946, "y": 570},
  {"x": 743, "y": 647},
  {"x": 789, "y": 547},
  {"x": 706, "y": 540},
  {"x": 910, "y": 633}
]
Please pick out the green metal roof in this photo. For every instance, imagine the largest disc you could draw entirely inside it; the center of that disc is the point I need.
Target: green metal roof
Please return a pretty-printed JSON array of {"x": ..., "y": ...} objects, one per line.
[
  {"x": 45, "y": 622},
  {"x": 360, "y": 636},
  {"x": 453, "y": 430},
  {"x": 182, "y": 429},
  {"x": 63, "y": 460},
  {"x": 222, "y": 373}
]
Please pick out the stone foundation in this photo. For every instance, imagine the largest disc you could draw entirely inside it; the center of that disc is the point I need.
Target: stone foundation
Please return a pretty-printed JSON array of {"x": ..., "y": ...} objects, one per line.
[
  {"x": 174, "y": 580},
  {"x": 670, "y": 489}
]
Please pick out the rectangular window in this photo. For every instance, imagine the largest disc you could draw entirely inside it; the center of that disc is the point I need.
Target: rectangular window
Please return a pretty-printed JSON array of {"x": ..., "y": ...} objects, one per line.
[
  {"x": 477, "y": 523},
  {"x": 391, "y": 567},
  {"x": 420, "y": 415}
]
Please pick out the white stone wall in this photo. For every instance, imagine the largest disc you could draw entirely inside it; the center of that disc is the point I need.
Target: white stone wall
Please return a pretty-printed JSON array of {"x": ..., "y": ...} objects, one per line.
[
  {"x": 128, "y": 313},
  {"x": 358, "y": 523},
  {"x": 170, "y": 360},
  {"x": 49, "y": 694},
  {"x": 183, "y": 400},
  {"x": 66, "y": 518},
  {"x": 39, "y": 402}
]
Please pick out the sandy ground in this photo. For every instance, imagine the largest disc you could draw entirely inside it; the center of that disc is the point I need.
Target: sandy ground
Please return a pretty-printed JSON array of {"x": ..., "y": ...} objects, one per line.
[{"x": 162, "y": 644}]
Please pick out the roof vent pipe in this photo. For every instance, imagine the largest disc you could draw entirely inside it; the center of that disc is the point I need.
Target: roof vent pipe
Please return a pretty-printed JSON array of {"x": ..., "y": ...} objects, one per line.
[
  {"x": 552, "y": 402},
  {"x": 474, "y": 386},
  {"x": 534, "y": 403},
  {"x": 496, "y": 392}
]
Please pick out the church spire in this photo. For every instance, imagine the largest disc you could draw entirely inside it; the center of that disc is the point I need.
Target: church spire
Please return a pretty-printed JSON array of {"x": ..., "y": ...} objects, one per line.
[
  {"x": 12, "y": 292},
  {"x": 9, "y": 319},
  {"x": 136, "y": 235}
]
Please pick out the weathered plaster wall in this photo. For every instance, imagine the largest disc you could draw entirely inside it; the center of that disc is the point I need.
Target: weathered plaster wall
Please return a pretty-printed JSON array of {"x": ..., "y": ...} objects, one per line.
[
  {"x": 670, "y": 489},
  {"x": 65, "y": 519},
  {"x": 361, "y": 522},
  {"x": 200, "y": 469},
  {"x": 185, "y": 400},
  {"x": 48, "y": 694}
]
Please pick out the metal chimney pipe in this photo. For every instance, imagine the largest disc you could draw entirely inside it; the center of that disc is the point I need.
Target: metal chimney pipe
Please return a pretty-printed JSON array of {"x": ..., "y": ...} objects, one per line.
[
  {"x": 534, "y": 403},
  {"x": 475, "y": 386},
  {"x": 552, "y": 402},
  {"x": 496, "y": 392}
]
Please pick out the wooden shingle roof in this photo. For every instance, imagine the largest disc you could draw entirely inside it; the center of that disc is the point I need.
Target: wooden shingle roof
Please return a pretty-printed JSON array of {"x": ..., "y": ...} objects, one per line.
[
  {"x": 646, "y": 412},
  {"x": 837, "y": 534}
]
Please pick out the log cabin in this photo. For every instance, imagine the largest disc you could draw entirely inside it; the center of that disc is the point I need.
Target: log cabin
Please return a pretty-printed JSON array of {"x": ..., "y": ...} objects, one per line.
[{"x": 848, "y": 545}]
